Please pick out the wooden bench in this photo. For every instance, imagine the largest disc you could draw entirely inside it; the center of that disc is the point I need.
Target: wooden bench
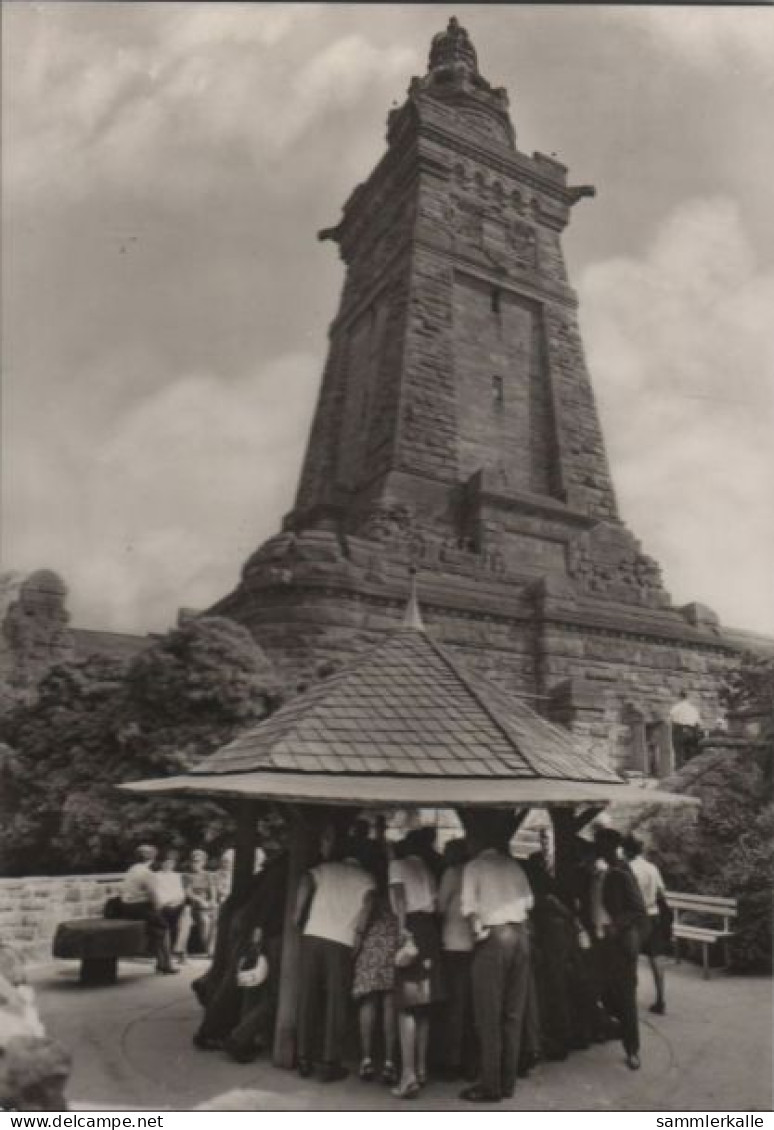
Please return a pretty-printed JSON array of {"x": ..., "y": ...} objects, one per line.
[
  {"x": 703, "y": 906},
  {"x": 98, "y": 943}
]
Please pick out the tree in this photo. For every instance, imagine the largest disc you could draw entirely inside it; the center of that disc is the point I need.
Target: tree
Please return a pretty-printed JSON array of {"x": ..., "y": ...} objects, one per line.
[
  {"x": 728, "y": 848},
  {"x": 96, "y": 723}
]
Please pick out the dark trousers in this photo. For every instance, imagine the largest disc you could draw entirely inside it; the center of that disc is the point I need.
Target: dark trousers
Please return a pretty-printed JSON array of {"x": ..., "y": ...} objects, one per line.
[
  {"x": 500, "y": 976},
  {"x": 531, "y": 1030},
  {"x": 551, "y": 966},
  {"x": 172, "y": 913},
  {"x": 588, "y": 1018},
  {"x": 325, "y": 982},
  {"x": 457, "y": 1013},
  {"x": 618, "y": 955},
  {"x": 156, "y": 928}
]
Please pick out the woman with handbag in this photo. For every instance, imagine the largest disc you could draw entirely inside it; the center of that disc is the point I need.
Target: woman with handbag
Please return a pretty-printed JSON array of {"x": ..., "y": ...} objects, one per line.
[
  {"x": 373, "y": 984},
  {"x": 256, "y": 980},
  {"x": 418, "y": 973},
  {"x": 659, "y": 913}
]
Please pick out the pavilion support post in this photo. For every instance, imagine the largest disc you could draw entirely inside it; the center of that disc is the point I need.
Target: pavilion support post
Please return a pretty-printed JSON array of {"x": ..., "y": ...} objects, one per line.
[
  {"x": 246, "y": 843},
  {"x": 586, "y": 815},
  {"x": 563, "y": 822},
  {"x": 301, "y": 851}
]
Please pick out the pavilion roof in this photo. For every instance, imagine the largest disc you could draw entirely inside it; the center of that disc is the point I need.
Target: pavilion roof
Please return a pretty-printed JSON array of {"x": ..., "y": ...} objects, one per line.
[
  {"x": 407, "y": 792},
  {"x": 405, "y": 724},
  {"x": 407, "y": 708}
]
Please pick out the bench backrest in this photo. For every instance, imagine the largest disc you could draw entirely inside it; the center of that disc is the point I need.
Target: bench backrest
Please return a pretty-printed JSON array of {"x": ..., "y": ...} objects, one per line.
[{"x": 725, "y": 908}]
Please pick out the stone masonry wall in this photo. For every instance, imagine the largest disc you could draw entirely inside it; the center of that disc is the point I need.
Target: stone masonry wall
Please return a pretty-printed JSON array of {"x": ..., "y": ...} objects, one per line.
[
  {"x": 428, "y": 432},
  {"x": 585, "y": 471},
  {"x": 623, "y": 674},
  {"x": 32, "y": 907}
]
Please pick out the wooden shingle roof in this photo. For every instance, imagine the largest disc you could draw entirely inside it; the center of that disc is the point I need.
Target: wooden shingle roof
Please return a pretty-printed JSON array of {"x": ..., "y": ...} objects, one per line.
[{"x": 407, "y": 709}]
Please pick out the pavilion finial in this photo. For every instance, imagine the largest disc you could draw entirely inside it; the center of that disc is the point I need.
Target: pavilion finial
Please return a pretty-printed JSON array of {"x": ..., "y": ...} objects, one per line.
[{"x": 413, "y": 617}]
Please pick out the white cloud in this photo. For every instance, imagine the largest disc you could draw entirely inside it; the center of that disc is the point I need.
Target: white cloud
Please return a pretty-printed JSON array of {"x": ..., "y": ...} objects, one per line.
[
  {"x": 154, "y": 104},
  {"x": 681, "y": 352},
  {"x": 705, "y": 36},
  {"x": 161, "y": 509},
  {"x": 218, "y": 137}
]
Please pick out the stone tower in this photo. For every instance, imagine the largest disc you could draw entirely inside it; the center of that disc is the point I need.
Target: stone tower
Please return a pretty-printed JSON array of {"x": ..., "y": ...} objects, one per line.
[
  {"x": 456, "y": 429},
  {"x": 455, "y": 387}
]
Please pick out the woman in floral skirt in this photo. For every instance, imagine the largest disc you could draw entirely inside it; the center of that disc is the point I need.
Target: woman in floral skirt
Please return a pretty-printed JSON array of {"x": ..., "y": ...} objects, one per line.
[{"x": 374, "y": 975}]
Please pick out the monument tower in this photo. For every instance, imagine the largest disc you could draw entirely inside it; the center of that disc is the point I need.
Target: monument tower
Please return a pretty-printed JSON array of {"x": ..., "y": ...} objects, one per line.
[{"x": 456, "y": 430}]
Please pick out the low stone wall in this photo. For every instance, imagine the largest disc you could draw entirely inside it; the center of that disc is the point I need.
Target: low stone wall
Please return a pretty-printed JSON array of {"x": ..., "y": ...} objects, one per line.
[{"x": 32, "y": 908}]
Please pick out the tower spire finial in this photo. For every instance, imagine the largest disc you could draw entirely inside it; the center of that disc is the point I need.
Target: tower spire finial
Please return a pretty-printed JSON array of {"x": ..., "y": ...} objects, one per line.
[
  {"x": 452, "y": 51},
  {"x": 413, "y": 617}
]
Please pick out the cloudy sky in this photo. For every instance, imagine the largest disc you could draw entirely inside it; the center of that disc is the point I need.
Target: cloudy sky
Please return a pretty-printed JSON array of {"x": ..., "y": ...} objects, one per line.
[{"x": 165, "y": 302}]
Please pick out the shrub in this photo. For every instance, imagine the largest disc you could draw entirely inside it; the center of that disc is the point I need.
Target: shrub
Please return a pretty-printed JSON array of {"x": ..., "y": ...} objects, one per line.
[{"x": 96, "y": 723}]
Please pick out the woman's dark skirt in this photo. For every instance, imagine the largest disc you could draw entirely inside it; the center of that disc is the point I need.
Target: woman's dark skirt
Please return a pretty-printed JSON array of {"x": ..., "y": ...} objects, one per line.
[
  {"x": 655, "y": 941},
  {"x": 421, "y": 984}
]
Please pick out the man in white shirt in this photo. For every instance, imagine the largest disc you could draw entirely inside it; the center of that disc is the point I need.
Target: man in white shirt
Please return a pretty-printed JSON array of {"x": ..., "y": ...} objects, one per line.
[
  {"x": 496, "y": 899},
  {"x": 457, "y": 943},
  {"x": 684, "y": 713},
  {"x": 685, "y": 722},
  {"x": 140, "y": 900},
  {"x": 653, "y": 892},
  {"x": 331, "y": 908}
]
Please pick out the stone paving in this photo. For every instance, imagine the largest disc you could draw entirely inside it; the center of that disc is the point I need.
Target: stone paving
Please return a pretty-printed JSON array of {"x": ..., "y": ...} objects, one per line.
[{"x": 132, "y": 1048}]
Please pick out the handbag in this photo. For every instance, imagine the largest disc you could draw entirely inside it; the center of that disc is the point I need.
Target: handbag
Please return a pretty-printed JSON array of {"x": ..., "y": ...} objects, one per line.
[
  {"x": 407, "y": 952},
  {"x": 414, "y": 993},
  {"x": 252, "y": 978}
]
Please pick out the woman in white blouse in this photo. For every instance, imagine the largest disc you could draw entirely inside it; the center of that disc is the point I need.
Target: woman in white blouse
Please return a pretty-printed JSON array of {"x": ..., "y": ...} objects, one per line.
[{"x": 418, "y": 975}]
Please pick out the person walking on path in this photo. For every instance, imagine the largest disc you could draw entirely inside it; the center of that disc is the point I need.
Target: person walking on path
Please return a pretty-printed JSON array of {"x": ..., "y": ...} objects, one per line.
[
  {"x": 496, "y": 899},
  {"x": 622, "y": 926},
  {"x": 653, "y": 893}
]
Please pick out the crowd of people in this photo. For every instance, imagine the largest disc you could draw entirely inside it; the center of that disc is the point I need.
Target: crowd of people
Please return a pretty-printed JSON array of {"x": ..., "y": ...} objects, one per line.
[{"x": 468, "y": 965}]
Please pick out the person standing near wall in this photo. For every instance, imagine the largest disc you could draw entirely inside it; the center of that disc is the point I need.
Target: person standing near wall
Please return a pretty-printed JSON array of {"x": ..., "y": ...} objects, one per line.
[
  {"x": 171, "y": 896},
  {"x": 140, "y": 901},
  {"x": 202, "y": 902}
]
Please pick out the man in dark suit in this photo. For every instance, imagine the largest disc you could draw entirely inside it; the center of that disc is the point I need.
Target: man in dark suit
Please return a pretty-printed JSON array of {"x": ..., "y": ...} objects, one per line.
[{"x": 620, "y": 924}]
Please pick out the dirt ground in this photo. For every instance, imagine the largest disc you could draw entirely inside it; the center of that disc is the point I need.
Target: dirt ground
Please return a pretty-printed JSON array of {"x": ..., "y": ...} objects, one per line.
[{"x": 131, "y": 1044}]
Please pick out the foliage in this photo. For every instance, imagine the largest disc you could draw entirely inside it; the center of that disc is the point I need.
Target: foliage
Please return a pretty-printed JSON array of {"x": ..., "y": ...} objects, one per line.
[
  {"x": 96, "y": 723},
  {"x": 728, "y": 848},
  {"x": 750, "y": 686}
]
